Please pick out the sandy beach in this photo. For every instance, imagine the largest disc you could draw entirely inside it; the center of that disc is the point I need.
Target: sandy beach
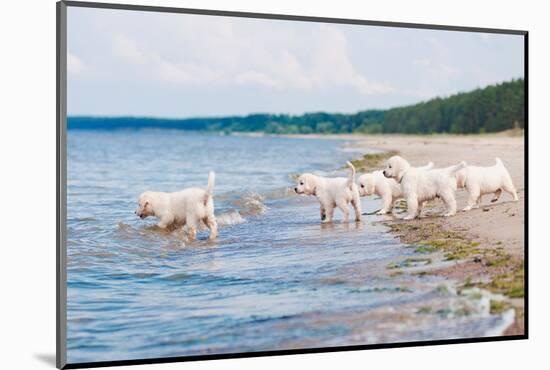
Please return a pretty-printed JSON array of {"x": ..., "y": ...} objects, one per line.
[
  {"x": 487, "y": 244},
  {"x": 495, "y": 231},
  {"x": 492, "y": 222}
]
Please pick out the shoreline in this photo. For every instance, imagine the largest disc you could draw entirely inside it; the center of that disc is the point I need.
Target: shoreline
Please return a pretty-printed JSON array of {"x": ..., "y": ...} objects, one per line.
[{"x": 487, "y": 244}]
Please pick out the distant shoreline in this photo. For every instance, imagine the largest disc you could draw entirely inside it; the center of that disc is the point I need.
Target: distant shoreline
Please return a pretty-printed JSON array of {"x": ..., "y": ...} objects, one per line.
[
  {"x": 451, "y": 114},
  {"x": 360, "y": 136},
  {"x": 333, "y": 136}
]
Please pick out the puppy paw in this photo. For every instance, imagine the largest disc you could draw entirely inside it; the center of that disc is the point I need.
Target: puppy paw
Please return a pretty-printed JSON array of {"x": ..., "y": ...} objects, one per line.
[
  {"x": 449, "y": 214},
  {"x": 409, "y": 217},
  {"x": 382, "y": 212}
]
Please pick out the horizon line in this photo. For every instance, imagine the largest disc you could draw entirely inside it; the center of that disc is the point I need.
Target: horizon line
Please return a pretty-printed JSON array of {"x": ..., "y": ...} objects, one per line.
[{"x": 107, "y": 116}]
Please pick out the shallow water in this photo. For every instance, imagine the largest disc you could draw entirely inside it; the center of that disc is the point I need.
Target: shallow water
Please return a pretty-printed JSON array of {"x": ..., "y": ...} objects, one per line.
[{"x": 275, "y": 279}]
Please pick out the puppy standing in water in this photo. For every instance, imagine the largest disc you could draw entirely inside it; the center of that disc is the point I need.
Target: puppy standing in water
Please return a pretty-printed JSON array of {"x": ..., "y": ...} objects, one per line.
[
  {"x": 480, "y": 181},
  {"x": 332, "y": 192},
  {"x": 420, "y": 185},
  {"x": 186, "y": 207},
  {"x": 387, "y": 188}
]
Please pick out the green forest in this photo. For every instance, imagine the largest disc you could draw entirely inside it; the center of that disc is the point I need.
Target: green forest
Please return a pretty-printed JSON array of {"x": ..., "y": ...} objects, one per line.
[{"x": 491, "y": 109}]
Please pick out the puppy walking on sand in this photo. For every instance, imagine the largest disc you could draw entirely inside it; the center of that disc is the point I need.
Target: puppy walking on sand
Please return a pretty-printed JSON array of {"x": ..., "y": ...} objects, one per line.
[
  {"x": 480, "y": 181},
  {"x": 186, "y": 207},
  {"x": 332, "y": 192},
  {"x": 420, "y": 185},
  {"x": 387, "y": 188}
]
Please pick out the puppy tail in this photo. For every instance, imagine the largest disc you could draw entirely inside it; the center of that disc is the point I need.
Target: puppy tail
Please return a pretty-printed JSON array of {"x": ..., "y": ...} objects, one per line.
[
  {"x": 210, "y": 186},
  {"x": 429, "y": 166},
  {"x": 499, "y": 162},
  {"x": 351, "y": 178},
  {"x": 454, "y": 169}
]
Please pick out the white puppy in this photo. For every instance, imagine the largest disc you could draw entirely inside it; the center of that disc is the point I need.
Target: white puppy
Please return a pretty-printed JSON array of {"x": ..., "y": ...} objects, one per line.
[
  {"x": 420, "y": 185},
  {"x": 332, "y": 192},
  {"x": 387, "y": 188},
  {"x": 480, "y": 181},
  {"x": 186, "y": 207}
]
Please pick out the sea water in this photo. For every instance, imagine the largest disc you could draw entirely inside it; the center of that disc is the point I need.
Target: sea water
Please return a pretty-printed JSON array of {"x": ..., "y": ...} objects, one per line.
[{"x": 275, "y": 279}]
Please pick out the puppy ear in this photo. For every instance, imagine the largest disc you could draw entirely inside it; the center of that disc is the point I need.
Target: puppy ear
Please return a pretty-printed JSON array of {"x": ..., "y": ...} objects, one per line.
[
  {"x": 310, "y": 184},
  {"x": 401, "y": 168},
  {"x": 400, "y": 174},
  {"x": 307, "y": 183}
]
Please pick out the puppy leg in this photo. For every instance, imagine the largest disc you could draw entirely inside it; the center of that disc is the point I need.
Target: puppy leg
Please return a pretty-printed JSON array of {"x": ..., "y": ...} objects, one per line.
[
  {"x": 323, "y": 212},
  {"x": 165, "y": 221},
  {"x": 392, "y": 206},
  {"x": 211, "y": 223},
  {"x": 329, "y": 209},
  {"x": 412, "y": 207},
  {"x": 421, "y": 206},
  {"x": 356, "y": 203},
  {"x": 509, "y": 188},
  {"x": 496, "y": 196},
  {"x": 192, "y": 226},
  {"x": 387, "y": 201},
  {"x": 473, "y": 198},
  {"x": 450, "y": 202},
  {"x": 344, "y": 208}
]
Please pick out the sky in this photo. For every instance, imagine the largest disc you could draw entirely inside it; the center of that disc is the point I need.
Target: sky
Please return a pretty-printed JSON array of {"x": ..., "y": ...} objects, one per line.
[{"x": 133, "y": 63}]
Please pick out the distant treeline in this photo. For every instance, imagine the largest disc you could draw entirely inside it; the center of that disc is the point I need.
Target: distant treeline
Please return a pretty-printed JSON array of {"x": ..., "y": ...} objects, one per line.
[{"x": 491, "y": 109}]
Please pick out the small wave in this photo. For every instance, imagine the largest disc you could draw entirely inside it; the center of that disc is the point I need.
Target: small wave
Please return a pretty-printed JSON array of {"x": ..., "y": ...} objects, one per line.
[
  {"x": 251, "y": 204},
  {"x": 128, "y": 232},
  {"x": 507, "y": 319},
  {"x": 81, "y": 219},
  {"x": 124, "y": 227},
  {"x": 145, "y": 229},
  {"x": 176, "y": 236},
  {"x": 280, "y": 193},
  {"x": 231, "y": 218},
  {"x": 178, "y": 277}
]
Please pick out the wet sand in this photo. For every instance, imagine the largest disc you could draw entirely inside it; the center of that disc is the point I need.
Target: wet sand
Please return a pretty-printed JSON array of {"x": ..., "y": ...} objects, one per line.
[{"x": 495, "y": 229}]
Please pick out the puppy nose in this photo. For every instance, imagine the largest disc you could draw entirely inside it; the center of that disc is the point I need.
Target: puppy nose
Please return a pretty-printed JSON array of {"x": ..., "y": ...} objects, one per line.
[
  {"x": 296, "y": 190},
  {"x": 384, "y": 172}
]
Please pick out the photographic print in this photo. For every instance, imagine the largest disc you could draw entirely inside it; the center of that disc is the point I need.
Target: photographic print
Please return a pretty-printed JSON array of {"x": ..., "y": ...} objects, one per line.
[{"x": 240, "y": 184}]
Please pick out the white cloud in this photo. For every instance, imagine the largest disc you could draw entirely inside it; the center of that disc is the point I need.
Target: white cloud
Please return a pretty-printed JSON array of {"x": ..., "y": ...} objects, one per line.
[
  {"x": 332, "y": 64},
  {"x": 131, "y": 62},
  {"x": 438, "y": 69},
  {"x": 210, "y": 52},
  {"x": 128, "y": 50},
  {"x": 74, "y": 64},
  {"x": 255, "y": 77}
]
